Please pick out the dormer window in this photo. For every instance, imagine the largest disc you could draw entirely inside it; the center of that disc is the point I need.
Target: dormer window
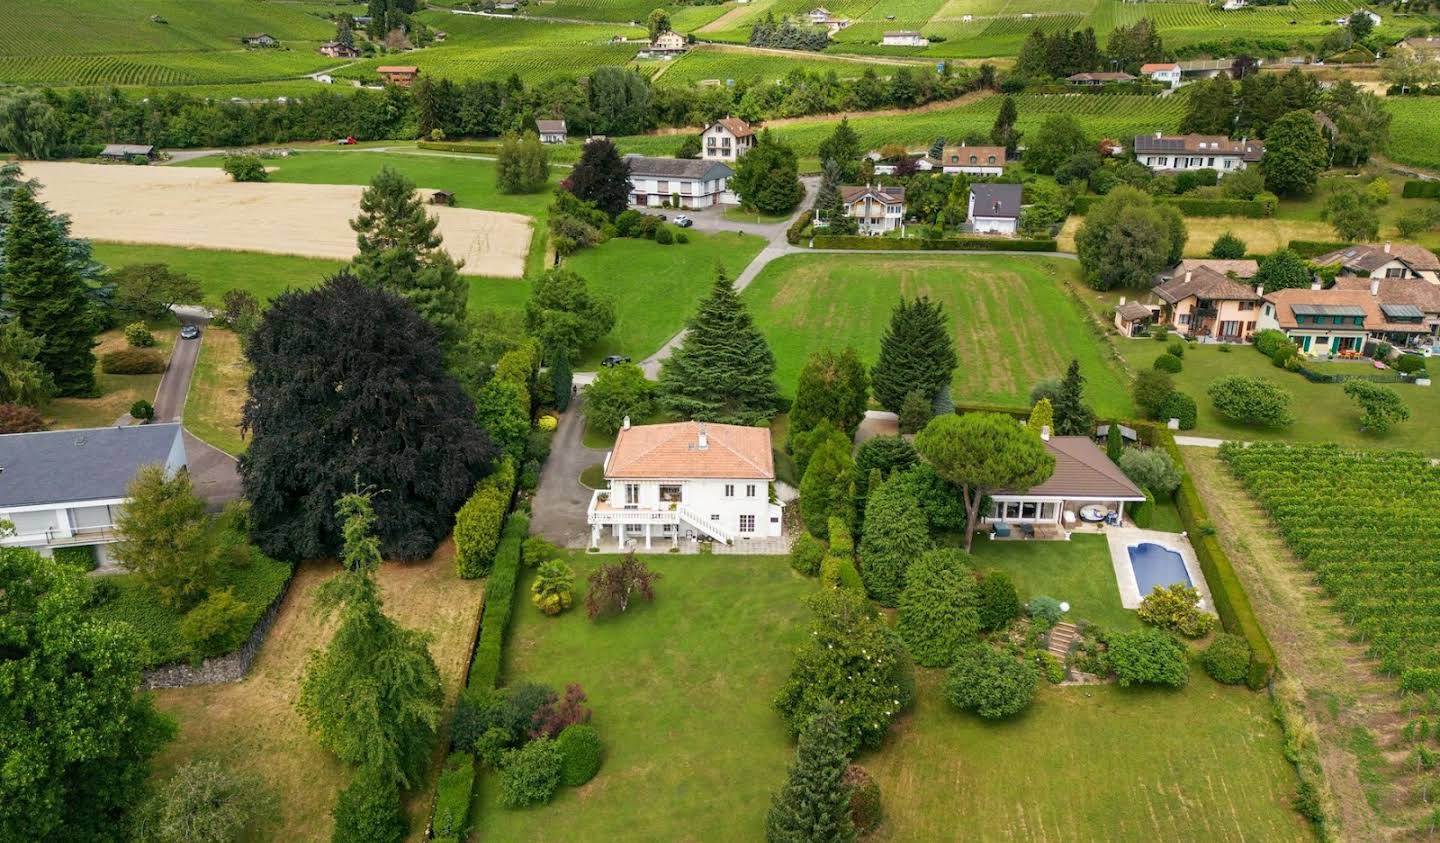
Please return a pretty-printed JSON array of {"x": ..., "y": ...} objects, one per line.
[{"x": 973, "y": 159}]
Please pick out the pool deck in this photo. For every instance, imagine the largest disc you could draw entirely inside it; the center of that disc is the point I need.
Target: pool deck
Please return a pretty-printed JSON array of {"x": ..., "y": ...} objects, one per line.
[{"x": 1121, "y": 539}]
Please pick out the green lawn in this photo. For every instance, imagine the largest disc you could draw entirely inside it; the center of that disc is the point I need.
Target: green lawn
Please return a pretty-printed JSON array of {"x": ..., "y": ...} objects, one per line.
[
  {"x": 1077, "y": 572},
  {"x": 1012, "y": 320},
  {"x": 681, "y": 690},
  {"x": 116, "y": 392},
  {"x": 1323, "y": 413}
]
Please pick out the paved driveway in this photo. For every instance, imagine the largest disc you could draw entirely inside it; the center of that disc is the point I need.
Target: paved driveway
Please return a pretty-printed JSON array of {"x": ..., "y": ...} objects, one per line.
[{"x": 558, "y": 510}]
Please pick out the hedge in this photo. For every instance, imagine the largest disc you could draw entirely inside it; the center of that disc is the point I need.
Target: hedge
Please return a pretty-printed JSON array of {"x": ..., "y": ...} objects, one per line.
[
  {"x": 1231, "y": 602},
  {"x": 499, "y": 597},
  {"x": 1191, "y": 206},
  {"x": 1416, "y": 189},
  {"x": 81, "y": 556},
  {"x": 477, "y": 147},
  {"x": 796, "y": 232},
  {"x": 931, "y": 244},
  {"x": 132, "y": 361},
  {"x": 1313, "y": 248},
  {"x": 452, "y": 798},
  {"x": 478, "y": 523}
]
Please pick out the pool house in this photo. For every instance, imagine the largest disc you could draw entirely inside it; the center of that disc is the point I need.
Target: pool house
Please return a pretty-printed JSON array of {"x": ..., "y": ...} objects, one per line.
[{"x": 1085, "y": 488}]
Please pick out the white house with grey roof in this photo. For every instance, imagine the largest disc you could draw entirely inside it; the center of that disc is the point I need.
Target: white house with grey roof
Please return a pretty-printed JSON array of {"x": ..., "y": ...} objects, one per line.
[
  {"x": 994, "y": 208},
  {"x": 686, "y": 182},
  {"x": 64, "y": 488}
]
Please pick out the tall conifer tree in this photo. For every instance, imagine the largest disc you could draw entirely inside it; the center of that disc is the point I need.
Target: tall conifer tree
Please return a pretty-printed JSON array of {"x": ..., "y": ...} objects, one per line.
[
  {"x": 1073, "y": 417},
  {"x": 814, "y": 804},
  {"x": 723, "y": 371},
  {"x": 916, "y": 353}
]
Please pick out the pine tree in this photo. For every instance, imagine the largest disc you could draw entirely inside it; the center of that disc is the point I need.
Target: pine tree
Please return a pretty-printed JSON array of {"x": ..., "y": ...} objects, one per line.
[
  {"x": 601, "y": 176},
  {"x": 43, "y": 288},
  {"x": 723, "y": 371},
  {"x": 1003, "y": 132},
  {"x": 916, "y": 353},
  {"x": 827, "y": 200},
  {"x": 842, "y": 147},
  {"x": 400, "y": 251},
  {"x": 1072, "y": 416},
  {"x": 814, "y": 804},
  {"x": 831, "y": 386}
]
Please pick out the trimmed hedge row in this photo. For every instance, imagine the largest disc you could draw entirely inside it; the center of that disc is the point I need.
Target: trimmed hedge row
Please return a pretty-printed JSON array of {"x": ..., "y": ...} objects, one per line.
[
  {"x": 132, "y": 361},
  {"x": 477, "y": 147},
  {"x": 1417, "y": 189},
  {"x": 478, "y": 523},
  {"x": 796, "y": 232},
  {"x": 499, "y": 598},
  {"x": 1231, "y": 602},
  {"x": 1197, "y": 207},
  {"x": 1312, "y": 248},
  {"x": 452, "y": 798},
  {"x": 931, "y": 244}
]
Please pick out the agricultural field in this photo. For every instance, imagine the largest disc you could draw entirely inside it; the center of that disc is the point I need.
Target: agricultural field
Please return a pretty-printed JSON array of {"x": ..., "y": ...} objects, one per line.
[
  {"x": 1413, "y": 131},
  {"x": 1364, "y": 522},
  {"x": 1012, "y": 320},
  {"x": 725, "y": 63}
]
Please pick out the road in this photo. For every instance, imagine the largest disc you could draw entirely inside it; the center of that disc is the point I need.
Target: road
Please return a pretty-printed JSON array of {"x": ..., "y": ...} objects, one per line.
[
  {"x": 175, "y": 383},
  {"x": 212, "y": 471}
]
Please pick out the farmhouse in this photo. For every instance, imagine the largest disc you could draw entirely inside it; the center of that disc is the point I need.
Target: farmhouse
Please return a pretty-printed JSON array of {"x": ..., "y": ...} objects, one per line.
[
  {"x": 336, "y": 50},
  {"x": 1206, "y": 303},
  {"x": 1083, "y": 477},
  {"x": 63, "y": 488},
  {"x": 994, "y": 208},
  {"x": 1196, "y": 152},
  {"x": 687, "y": 182},
  {"x": 687, "y": 480},
  {"x": 551, "y": 131},
  {"x": 1326, "y": 322},
  {"x": 1163, "y": 72},
  {"x": 1345, "y": 21},
  {"x": 398, "y": 74},
  {"x": 904, "y": 38},
  {"x": 1384, "y": 261},
  {"x": 667, "y": 45},
  {"x": 877, "y": 209},
  {"x": 126, "y": 151},
  {"x": 1407, "y": 300},
  {"x": 726, "y": 139},
  {"x": 1425, "y": 47},
  {"x": 1095, "y": 80},
  {"x": 972, "y": 160},
  {"x": 260, "y": 39}
]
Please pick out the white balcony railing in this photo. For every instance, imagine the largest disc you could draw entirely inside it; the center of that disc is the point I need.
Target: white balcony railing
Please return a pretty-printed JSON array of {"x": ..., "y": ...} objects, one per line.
[{"x": 82, "y": 535}]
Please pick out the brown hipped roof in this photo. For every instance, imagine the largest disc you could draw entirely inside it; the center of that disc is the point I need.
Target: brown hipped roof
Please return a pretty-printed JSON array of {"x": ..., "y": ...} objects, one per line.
[
  {"x": 1240, "y": 267},
  {"x": 1204, "y": 283},
  {"x": 1285, "y": 302},
  {"x": 1416, "y": 291},
  {"x": 886, "y": 195},
  {"x": 672, "y": 451},
  {"x": 1131, "y": 311},
  {"x": 397, "y": 68},
  {"x": 737, "y": 127},
  {"x": 1083, "y": 471},
  {"x": 1368, "y": 257}
]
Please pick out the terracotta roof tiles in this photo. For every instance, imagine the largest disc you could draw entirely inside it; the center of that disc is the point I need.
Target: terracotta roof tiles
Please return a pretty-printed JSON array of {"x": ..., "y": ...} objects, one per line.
[{"x": 665, "y": 451}]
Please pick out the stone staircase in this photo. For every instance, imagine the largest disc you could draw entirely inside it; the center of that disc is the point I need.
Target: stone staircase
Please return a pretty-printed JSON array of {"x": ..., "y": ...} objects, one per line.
[{"x": 1062, "y": 637}]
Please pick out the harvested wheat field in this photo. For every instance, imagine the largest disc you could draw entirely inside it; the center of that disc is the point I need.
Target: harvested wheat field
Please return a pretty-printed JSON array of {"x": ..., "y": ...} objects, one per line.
[
  {"x": 253, "y": 725},
  {"x": 202, "y": 207}
]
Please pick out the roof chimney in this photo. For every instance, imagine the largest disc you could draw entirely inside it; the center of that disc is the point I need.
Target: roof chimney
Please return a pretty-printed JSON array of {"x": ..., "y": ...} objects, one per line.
[
  {"x": 1188, "y": 273},
  {"x": 1374, "y": 286},
  {"x": 1315, "y": 285},
  {"x": 1158, "y": 135},
  {"x": 625, "y": 424},
  {"x": 1260, "y": 290},
  {"x": 1122, "y": 299},
  {"x": 704, "y": 439},
  {"x": 1045, "y": 433},
  {"x": 1387, "y": 248}
]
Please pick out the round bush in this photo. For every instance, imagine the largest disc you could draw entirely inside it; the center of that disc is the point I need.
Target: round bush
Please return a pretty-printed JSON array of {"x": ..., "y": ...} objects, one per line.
[
  {"x": 142, "y": 410},
  {"x": 218, "y": 625},
  {"x": 1227, "y": 659},
  {"x": 530, "y": 775},
  {"x": 989, "y": 682},
  {"x": 1176, "y": 347},
  {"x": 937, "y": 607},
  {"x": 1168, "y": 362},
  {"x": 865, "y": 808},
  {"x": 1269, "y": 340},
  {"x": 806, "y": 553},
  {"x": 999, "y": 603},
  {"x": 1410, "y": 364},
  {"x": 554, "y": 588},
  {"x": 663, "y": 236},
  {"x": 138, "y": 336},
  {"x": 369, "y": 809},
  {"x": 1180, "y": 406},
  {"x": 1147, "y": 657},
  {"x": 1044, "y": 610},
  {"x": 580, "y": 754}
]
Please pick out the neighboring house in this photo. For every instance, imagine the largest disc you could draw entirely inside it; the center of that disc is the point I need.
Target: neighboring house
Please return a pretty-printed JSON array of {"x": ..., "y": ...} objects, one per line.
[
  {"x": 1424, "y": 47},
  {"x": 690, "y": 182},
  {"x": 551, "y": 131},
  {"x": 1403, "y": 300},
  {"x": 1083, "y": 476},
  {"x": 1206, "y": 68},
  {"x": 876, "y": 209},
  {"x": 994, "y": 208},
  {"x": 396, "y": 74},
  {"x": 726, "y": 139},
  {"x": 1327, "y": 322},
  {"x": 687, "y": 480},
  {"x": 1196, "y": 152},
  {"x": 260, "y": 39},
  {"x": 64, "y": 488},
  {"x": 1166, "y": 74},
  {"x": 904, "y": 38},
  {"x": 889, "y": 166},
  {"x": 1133, "y": 319},
  {"x": 1095, "y": 80},
  {"x": 1205, "y": 303},
  {"x": 972, "y": 160},
  {"x": 1345, "y": 21},
  {"x": 667, "y": 45},
  {"x": 336, "y": 50},
  {"x": 1240, "y": 270},
  {"x": 820, "y": 15},
  {"x": 126, "y": 151},
  {"x": 1234, "y": 5},
  {"x": 1384, "y": 261}
]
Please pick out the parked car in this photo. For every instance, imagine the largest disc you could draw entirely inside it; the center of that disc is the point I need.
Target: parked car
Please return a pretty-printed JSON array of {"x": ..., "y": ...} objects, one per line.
[
  {"x": 347, "y": 141},
  {"x": 189, "y": 332},
  {"x": 614, "y": 360},
  {"x": 684, "y": 221}
]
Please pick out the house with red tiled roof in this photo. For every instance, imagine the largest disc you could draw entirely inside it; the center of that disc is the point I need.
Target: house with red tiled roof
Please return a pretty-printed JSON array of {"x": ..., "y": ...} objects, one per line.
[
  {"x": 687, "y": 481},
  {"x": 726, "y": 139}
]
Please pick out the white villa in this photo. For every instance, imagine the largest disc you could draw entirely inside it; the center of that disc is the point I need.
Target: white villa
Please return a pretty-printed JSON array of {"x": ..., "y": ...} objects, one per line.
[
  {"x": 904, "y": 38},
  {"x": 876, "y": 209},
  {"x": 686, "y": 182},
  {"x": 1084, "y": 479},
  {"x": 1166, "y": 73},
  {"x": 667, "y": 45},
  {"x": 994, "y": 208},
  {"x": 1196, "y": 152},
  {"x": 551, "y": 131},
  {"x": 1371, "y": 260},
  {"x": 691, "y": 480},
  {"x": 726, "y": 139},
  {"x": 64, "y": 488}
]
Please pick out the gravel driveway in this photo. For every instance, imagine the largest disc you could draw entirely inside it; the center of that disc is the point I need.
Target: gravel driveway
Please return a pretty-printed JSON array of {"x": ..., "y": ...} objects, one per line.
[{"x": 558, "y": 508}]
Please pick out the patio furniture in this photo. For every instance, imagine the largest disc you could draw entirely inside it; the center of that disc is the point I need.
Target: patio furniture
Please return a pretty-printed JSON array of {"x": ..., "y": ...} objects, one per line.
[
  {"x": 1001, "y": 530},
  {"x": 1112, "y": 518},
  {"x": 1027, "y": 530},
  {"x": 1093, "y": 513},
  {"x": 1069, "y": 517}
]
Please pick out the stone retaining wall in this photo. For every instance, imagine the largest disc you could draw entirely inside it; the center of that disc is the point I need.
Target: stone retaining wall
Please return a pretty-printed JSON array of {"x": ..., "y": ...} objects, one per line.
[{"x": 230, "y": 667}]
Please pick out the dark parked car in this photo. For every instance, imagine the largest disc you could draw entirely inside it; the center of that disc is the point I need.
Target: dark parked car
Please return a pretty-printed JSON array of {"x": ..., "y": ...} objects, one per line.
[
  {"x": 189, "y": 332},
  {"x": 614, "y": 360}
]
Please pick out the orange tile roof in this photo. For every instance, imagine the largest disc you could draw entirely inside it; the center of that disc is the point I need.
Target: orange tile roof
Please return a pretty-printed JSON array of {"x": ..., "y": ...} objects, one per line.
[
  {"x": 397, "y": 68},
  {"x": 666, "y": 451}
]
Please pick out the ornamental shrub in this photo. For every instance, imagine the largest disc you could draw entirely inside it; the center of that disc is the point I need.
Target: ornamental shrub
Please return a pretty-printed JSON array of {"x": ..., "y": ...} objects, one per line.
[
  {"x": 1049, "y": 667},
  {"x": 990, "y": 682},
  {"x": 142, "y": 410},
  {"x": 998, "y": 602},
  {"x": 1251, "y": 400},
  {"x": 865, "y": 808},
  {"x": 938, "y": 607},
  {"x": 1143, "y": 514},
  {"x": 245, "y": 168},
  {"x": 1147, "y": 657},
  {"x": 1269, "y": 340},
  {"x": 138, "y": 336},
  {"x": 896, "y": 534},
  {"x": 915, "y": 412},
  {"x": 132, "y": 361},
  {"x": 530, "y": 775},
  {"x": 1409, "y": 364},
  {"x": 1176, "y": 347},
  {"x": 805, "y": 554},
  {"x": 663, "y": 236},
  {"x": 536, "y": 550},
  {"x": 1151, "y": 468},
  {"x": 840, "y": 572},
  {"x": 1167, "y": 362},
  {"x": 219, "y": 624},
  {"x": 1227, "y": 659},
  {"x": 369, "y": 811},
  {"x": 1043, "y": 610},
  {"x": 581, "y": 752},
  {"x": 476, "y": 710},
  {"x": 1180, "y": 406},
  {"x": 841, "y": 542},
  {"x": 81, "y": 556},
  {"x": 1174, "y": 607},
  {"x": 554, "y": 588},
  {"x": 18, "y": 418}
]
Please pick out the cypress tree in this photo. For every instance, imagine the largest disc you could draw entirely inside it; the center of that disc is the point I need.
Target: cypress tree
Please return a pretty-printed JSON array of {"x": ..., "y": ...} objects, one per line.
[
  {"x": 916, "y": 353},
  {"x": 400, "y": 251},
  {"x": 825, "y": 490},
  {"x": 43, "y": 288},
  {"x": 1113, "y": 443},
  {"x": 896, "y": 534},
  {"x": 723, "y": 371},
  {"x": 1003, "y": 133},
  {"x": 938, "y": 609},
  {"x": 1072, "y": 416},
  {"x": 562, "y": 377},
  {"x": 831, "y": 386},
  {"x": 814, "y": 804}
]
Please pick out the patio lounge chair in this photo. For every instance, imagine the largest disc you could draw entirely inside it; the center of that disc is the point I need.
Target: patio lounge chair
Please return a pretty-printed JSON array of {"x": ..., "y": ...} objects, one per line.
[
  {"x": 1027, "y": 530},
  {"x": 1001, "y": 530}
]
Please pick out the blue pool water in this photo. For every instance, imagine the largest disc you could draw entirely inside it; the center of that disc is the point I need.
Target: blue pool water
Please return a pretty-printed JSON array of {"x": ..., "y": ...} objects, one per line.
[{"x": 1157, "y": 565}]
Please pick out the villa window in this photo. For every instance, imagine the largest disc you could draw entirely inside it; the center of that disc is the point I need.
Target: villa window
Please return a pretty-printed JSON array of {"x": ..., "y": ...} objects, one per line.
[
  {"x": 1395, "y": 273},
  {"x": 1183, "y": 319},
  {"x": 1029, "y": 509},
  {"x": 1247, "y": 305},
  {"x": 1012, "y": 509},
  {"x": 747, "y": 523},
  {"x": 632, "y": 494},
  {"x": 670, "y": 494},
  {"x": 750, "y": 490},
  {"x": 729, "y": 490},
  {"x": 714, "y": 516},
  {"x": 1047, "y": 511},
  {"x": 973, "y": 159},
  {"x": 990, "y": 160}
]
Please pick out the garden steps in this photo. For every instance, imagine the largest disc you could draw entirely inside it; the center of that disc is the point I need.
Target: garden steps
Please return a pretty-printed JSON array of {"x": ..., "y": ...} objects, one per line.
[{"x": 1062, "y": 637}]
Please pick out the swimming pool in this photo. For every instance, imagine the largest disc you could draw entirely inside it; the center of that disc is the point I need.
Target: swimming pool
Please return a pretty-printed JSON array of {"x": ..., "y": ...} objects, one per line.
[{"x": 1157, "y": 565}]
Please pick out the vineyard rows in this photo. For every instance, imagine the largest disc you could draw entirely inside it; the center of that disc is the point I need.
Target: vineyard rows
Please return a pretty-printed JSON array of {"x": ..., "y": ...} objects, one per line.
[
  {"x": 1367, "y": 524},
  {"x": 709, "y": 63},
  {"x": 181, "y": 68},
  {"x": 106, "y": 27}
]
